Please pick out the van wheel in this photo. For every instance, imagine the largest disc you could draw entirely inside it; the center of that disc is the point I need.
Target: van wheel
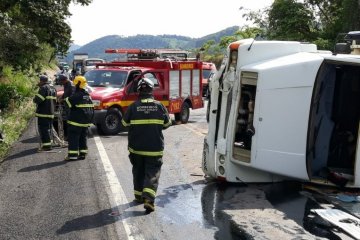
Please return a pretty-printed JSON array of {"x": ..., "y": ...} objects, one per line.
[
  {"x": 184, "y": 114},
  {"x": 112, "y": 124}
]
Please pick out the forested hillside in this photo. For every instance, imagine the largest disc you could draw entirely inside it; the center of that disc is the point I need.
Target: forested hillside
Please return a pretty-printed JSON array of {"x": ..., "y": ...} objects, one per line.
[{"x": 97, "y": 47}]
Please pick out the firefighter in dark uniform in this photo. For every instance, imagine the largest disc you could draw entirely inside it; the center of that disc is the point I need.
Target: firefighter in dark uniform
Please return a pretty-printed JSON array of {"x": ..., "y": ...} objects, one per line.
[
  {"x": 79, "y": 119},
  {"x": 45, "y": 100},
  {"x": 69, "y": 89},
  {"x": 68, "y": 86},
  {"x": 145, "y": 119}
]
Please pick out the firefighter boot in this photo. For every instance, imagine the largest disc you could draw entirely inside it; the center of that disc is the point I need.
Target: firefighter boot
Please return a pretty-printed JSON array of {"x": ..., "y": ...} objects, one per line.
[
  {"x": 138, "y": 199},
  {"x": 71, "y": 157},
  {"x": 149, "y": 206}
]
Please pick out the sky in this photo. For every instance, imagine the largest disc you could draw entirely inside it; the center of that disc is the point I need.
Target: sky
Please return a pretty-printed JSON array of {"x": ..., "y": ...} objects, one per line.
[{"x": 190, "y": 18}]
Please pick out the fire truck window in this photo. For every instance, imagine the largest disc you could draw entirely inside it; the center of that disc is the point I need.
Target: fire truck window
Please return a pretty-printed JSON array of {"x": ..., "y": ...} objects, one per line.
[
  {"x": 133, "y": 76},
  {"x": 103, "y": 78}
]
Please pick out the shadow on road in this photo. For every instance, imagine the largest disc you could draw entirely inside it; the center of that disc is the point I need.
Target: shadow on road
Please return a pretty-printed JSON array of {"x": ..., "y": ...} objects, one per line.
[
  {"x": 31, "y": 140},
  {"x": 21, "y": 154},
  {"x": 42, "y": 166},
  {"x": 102, "y": 218}
]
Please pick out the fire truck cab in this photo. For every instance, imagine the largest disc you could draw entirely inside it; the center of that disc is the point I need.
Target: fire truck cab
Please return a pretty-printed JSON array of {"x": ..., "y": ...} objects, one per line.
[
  {"x": 209, "y": 70},
  {"x": 284, "y": 110},
  {"x": 113, "y": 86}
]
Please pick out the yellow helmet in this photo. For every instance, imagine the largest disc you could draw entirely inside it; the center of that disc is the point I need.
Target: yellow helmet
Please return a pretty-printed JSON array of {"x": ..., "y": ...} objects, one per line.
[{"x": 81, "y": 80}]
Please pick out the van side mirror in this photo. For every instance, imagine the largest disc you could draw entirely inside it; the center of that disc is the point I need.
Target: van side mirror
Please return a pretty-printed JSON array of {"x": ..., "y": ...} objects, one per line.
[{"x": 342, "y": 48}]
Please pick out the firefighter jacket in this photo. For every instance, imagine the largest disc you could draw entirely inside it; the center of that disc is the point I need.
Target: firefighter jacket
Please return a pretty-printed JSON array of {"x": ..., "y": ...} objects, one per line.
[
  {"x": 146, "y": 118},
  {"x": 69, "y": 89},
  {"x": 81, "y": 109},
  {"x": 45, "y": 100}
]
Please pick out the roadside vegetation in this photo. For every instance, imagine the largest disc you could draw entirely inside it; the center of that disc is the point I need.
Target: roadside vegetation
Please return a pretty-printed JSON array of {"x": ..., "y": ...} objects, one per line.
[
  {"x": 314, "y": 21},
  {"x": 33, "y": 33}
]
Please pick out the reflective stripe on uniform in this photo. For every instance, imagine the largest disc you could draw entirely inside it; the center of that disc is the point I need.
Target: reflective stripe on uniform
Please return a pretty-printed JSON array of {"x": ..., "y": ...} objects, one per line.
[
  {"x": 147, "y": 121},
  {"x": 147, "y": 100},
  {"x": 146, "y": 153},
  {"x": 68, "y": 102},
  {"x": 137, "y": 193},
  {"x": 125, "y": 123},
  {"x": 46, "y": 144},
  {"x": 84, "y": 105},
  {"x": 167, "y": 124},
  {"x": 83, "y": 151},
  {"x": 79, "y": 124},
  {"x": 40, "y": 96},
  {"x": 44, "y": 115},
  {"x": 73, "y": 152},
  {"x": 51, "y": 97},
  {"x": 150, "y": 191}
]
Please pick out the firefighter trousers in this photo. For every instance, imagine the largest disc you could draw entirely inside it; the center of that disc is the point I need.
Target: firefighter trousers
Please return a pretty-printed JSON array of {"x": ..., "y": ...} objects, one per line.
[
  {"x": 146, "y": 174},
  {"x": 45, "y": 126},
  {"x": 77, "y": 142}
]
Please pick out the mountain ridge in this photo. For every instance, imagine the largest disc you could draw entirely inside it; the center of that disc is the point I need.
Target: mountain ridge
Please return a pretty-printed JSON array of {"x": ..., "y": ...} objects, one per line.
[{"x": 97, "y": 47}]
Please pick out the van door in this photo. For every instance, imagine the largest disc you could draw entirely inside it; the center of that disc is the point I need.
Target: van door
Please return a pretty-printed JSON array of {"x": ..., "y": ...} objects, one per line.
[{"x": 284, "y": 93}]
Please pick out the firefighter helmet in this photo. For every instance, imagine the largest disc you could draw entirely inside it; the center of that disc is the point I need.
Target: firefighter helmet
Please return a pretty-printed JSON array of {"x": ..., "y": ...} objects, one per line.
[
  {"x": 63, "y": 77},
  {"x": 145, "y": 83},
  {"x": 81, "y": 81},
  {"x": 44, "y": 78}
]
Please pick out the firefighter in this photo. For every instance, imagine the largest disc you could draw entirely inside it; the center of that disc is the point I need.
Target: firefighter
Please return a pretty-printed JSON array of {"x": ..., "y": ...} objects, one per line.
[
  {"x": 145, "y": 119},
  {"x": 69, "y": 89},
  {"x": 79, "y": 119},
  {"x": 68, "y": 86},
  {"x": 45, "y": 101}
]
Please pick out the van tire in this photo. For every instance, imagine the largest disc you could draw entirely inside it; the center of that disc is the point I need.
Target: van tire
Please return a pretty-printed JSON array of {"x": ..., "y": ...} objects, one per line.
[
  {"x": 184, "y": 114},
  {"x": 112, "y": 123}
]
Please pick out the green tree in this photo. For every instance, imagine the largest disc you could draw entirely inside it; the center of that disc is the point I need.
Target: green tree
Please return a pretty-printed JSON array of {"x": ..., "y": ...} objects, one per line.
[
  {"x": 26, "y": 25},
  {"x": 214, "y": 52},
  {"x": 351, "y": 15},
  {"x": 291, "y": 20},
  {"x": 335, "y": 16}
]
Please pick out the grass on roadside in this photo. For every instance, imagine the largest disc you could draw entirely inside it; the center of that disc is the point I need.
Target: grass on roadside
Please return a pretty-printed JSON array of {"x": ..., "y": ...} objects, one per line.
[{"x": 13, "y": 122}]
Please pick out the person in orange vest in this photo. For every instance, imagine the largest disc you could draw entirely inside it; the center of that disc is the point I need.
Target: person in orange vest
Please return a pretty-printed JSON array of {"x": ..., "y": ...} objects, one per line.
[
  {"x": 81, "y": 113},
  {"x": 45, "y": 106},
  {"x": 145, "y": 119}
]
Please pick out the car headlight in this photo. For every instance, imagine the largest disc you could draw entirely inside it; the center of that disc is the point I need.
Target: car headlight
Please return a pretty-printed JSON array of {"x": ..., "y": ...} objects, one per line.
[{"x": 96, "y": 103}]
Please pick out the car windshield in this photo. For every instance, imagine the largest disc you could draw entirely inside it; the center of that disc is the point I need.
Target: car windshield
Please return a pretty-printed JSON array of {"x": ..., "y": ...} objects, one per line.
[{"x": 106, "y": 78}]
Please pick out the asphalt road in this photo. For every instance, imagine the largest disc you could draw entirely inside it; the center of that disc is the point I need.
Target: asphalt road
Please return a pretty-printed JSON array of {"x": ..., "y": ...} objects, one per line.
[{"x": 44, "y": 197}]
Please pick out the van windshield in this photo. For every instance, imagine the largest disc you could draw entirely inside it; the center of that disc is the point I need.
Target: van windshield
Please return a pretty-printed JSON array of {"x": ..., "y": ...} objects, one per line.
[{"x": 106, "y": 78}]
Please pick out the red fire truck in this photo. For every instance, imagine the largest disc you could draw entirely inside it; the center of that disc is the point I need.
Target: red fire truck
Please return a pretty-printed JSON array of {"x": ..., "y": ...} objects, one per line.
[{"x": 113, "y": 85}]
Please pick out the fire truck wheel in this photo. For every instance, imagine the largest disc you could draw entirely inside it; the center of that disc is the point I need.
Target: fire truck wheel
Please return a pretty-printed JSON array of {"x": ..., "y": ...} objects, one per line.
[
  {"x": 112, "y": 124},
  {"x": 184, "y": 114}
]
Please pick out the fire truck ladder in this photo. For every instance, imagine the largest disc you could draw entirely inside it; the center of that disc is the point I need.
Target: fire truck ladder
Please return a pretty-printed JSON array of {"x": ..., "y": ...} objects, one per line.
[{"x": 151, "y": 54}]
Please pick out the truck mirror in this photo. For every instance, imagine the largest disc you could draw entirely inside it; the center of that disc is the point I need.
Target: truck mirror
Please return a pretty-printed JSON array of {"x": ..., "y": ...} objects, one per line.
[{"x": 342, "y": 48}]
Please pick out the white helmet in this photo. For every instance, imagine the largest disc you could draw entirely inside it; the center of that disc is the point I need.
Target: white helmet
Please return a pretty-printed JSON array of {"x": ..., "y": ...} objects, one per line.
[{"x": 145, "y": 83}]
